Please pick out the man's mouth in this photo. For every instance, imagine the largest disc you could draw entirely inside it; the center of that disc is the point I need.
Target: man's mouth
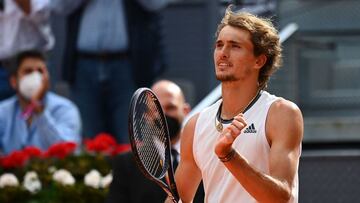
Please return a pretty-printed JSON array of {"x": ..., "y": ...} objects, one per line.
[{"x": 224, "y": 65}]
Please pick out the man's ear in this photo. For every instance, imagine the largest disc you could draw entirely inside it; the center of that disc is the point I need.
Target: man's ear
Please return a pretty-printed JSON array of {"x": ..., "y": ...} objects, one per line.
[
  {"x": 260, "y": 61},
  {"x": 13, "y": 81},
  {"x": 187, "y": 108}
]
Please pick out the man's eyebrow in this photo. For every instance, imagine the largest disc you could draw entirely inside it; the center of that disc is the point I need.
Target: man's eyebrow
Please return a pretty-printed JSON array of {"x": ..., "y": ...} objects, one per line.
[
  {"x": 27, "y": 67},
  {"x": 235, "y": 42},
  {"x": 230, "y": 41}
]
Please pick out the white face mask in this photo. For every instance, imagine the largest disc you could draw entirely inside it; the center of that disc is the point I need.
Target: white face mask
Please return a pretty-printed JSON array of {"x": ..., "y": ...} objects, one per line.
[{"x": 30, "y": 84}]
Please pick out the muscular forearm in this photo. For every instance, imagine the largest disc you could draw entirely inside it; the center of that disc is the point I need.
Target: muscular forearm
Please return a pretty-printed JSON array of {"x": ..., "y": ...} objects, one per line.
[
  {"x": 187, "y": 186},
  {"x": 187, "y": 189},
  {"x": 262, "y": 187}
]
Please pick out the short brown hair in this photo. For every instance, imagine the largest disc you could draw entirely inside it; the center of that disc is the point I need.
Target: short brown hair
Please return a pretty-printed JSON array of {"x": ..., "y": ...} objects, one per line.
[
  {"x": 21, "y": 56},
  {"x": 264, "y": 38}
]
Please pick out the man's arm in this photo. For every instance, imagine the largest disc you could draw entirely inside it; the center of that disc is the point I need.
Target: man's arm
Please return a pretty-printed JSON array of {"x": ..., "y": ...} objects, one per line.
[
  {"x": 35, "y": 11},
  {"x": 187, "y": 174},
  {"x": 60, "y": 124},
  {"x": 284, "y": 130},
  {"x": 24, "y": 5}
]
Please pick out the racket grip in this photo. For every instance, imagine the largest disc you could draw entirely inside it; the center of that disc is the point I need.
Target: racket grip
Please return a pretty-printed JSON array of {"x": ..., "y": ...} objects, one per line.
[
  {"x": 175, "y": 194},
  {"x": 170, "y": 199}
]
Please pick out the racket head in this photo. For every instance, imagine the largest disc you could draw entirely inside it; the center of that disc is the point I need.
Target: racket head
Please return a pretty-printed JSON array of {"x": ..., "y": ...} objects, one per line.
[{"x": 149, "y": 138}]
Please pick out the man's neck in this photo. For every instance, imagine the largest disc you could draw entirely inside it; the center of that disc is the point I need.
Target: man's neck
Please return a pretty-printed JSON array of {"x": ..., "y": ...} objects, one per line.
[
  {"x": 175, "y": 140},
  {"x": 23, "y": 102},
  {"x": 236, "y": 97}
]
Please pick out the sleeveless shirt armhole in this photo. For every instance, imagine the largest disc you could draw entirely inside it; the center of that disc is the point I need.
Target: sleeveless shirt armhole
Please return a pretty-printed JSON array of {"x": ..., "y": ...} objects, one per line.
[
  {"x": 194, "y": 140},
  {"x": 200, "y": 114}
]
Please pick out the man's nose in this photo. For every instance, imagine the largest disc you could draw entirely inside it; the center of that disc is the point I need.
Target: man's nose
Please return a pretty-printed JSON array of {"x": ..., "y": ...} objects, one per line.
[{"x": 224, "y": 53}]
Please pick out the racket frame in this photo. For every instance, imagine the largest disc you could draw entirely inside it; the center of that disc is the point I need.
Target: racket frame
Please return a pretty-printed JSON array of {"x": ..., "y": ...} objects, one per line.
[{"x": 168, "y": 186}]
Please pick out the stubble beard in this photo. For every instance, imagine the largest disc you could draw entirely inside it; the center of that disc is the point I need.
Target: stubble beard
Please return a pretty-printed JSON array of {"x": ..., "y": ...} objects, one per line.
[{"x": 226, "y": 78}]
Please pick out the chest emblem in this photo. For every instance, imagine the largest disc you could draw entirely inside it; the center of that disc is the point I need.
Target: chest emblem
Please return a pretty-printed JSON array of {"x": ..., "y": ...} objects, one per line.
[{"x": 250, "y": 129}]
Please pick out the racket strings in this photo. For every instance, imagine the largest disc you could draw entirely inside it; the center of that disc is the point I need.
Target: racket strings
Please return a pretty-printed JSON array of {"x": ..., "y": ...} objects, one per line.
[
  {"x": 152, "y": 152},
  {"x": 150, "y": 136},
  {"x": 150, "y": 141}
]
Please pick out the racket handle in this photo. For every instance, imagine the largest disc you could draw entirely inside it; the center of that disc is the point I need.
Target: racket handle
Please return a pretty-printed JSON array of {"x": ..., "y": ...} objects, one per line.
[{"x": 171, "y": 199}]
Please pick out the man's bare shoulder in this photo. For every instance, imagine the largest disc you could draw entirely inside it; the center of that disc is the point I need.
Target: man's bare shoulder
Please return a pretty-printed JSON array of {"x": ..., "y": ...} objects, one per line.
[
  {"x": 187, "y": 138},
  {"x": 189, "y": 128},
  {"x": 284, "y": 121},
  {"x": 283, "y": 107}
]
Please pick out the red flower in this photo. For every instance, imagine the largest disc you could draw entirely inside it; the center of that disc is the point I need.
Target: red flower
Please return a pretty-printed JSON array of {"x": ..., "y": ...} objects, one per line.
[
  {"x": 14, "y": 160},
  {"x": 120, "y": 148},
  {"x": 103, "y": 142},
  {"x": 61, "y": 150},
  {"x": 32, "y": 151}
]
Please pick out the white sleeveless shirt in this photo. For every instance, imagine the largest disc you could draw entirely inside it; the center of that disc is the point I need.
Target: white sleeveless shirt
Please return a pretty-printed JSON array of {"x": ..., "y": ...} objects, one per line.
[{"x": 219, "y": 184}]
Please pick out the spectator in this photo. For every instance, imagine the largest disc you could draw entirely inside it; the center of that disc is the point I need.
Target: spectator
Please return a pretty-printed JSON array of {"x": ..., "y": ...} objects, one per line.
[
  {"x": 129, "y": 185},
  {"x": 112, "y": 47},
  {"x": 24, "y": 25},
  {"x": 35, "y": 116}
]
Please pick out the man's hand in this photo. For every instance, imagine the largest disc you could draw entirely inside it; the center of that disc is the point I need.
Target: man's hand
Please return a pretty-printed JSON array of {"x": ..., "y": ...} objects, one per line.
[
  {"x": 38, "y": 97},
  {"x": 24, "y": 5},
  {"x": 169, "y": 200},
  {"x": 43, "y": 89},
  {"x": 228, "y": 136}
]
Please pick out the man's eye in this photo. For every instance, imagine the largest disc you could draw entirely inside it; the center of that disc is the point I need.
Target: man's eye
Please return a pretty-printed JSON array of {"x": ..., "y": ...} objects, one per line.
[
  {"x": 28, "y": 71},
  {"x": 219, "y": 45}
]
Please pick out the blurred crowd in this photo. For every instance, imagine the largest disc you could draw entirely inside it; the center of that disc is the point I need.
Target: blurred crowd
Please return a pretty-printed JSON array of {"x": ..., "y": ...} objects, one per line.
[{"x": 112, "y": 47}]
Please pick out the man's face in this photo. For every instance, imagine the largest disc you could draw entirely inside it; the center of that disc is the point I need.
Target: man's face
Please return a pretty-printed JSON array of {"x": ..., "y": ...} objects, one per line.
[
  {"x": 171, "y": 102},
  {"x": 29, "y": 65},
  {"x": 233, "y": 55},
  {"x": 27, "y": 84}
]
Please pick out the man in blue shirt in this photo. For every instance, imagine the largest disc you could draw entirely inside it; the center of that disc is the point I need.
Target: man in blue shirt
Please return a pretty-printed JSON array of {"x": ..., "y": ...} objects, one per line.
[
  {"x": 35, "y": 116},
  {"x": 112, "y": 47}
]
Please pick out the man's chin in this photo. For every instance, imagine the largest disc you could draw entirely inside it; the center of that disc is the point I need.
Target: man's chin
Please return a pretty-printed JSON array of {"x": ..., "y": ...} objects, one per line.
[
  {"x": 22, "y": 97},
  {"x": 226, "y": 78}
]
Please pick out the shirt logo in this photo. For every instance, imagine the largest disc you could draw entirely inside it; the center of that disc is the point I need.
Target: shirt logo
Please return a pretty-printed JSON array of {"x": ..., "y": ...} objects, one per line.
[{"x": 250, "y": 129}]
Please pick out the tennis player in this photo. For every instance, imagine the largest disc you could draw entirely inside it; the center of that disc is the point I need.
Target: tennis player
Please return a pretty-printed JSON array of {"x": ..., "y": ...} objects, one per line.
[{"x": 246, "y": 146}]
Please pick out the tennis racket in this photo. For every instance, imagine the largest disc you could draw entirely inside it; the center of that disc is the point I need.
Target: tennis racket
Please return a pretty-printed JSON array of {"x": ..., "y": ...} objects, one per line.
[{"x": 150, "y": 142}]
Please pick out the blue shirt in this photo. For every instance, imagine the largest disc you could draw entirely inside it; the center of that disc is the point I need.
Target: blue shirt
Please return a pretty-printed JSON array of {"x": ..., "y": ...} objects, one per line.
[
  {"x": 103, "y": 27},
  {"x": 103, "y": 24},
  {"x": 60, "y": 121}
]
